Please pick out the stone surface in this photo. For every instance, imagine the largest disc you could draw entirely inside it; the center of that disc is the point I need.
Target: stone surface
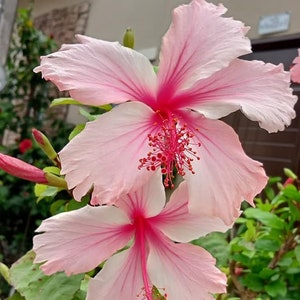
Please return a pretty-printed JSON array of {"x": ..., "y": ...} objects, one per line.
[{"x": 62, "y": 24}]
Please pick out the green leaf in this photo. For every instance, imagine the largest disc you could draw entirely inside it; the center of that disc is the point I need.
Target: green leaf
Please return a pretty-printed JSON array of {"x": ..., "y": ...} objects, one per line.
[
  {"x": 297, "y": 252},
  {"x": 266, "y": 273},
  {"x": 294, "y": 270},
  {"x": 30, "y": 281},
  {"x": 250, "y": 234},
  {"x": 285, "y": 262},
  {"x": 16, "y": 296},
  {"x": 52, "y": 169},
  {"x": 73, "y": 204},
  {"x": 276, "y": 288},
  {"x": 80, "y": 295},
  {"x": 291, "y": 192},
  {"x": 76, "y": 131},
  {"x": 41, "y": 191},
  {"x": 241, "y": 258},
  {"x": 265, "y": 217},
  {"x": 63, "y": 101},
  {"x": 217, "y": 244},
  {"x": 252, "y": 282},
  {"x": 267, "y": 245},
  {"x": 273, "y": 180},
  {"x": 57, "y": 207},
  {"x": 269, "y": 192}
]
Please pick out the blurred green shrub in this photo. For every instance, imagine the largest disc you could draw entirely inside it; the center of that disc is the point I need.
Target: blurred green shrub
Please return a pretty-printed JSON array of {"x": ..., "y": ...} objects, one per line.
[
  {"x": 23, "y": 105},
  {"x": 261, "y": 254}
]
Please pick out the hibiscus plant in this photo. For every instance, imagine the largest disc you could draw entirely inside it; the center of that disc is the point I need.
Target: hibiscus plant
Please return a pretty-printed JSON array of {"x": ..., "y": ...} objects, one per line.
[{"x": 117, "y": 234}]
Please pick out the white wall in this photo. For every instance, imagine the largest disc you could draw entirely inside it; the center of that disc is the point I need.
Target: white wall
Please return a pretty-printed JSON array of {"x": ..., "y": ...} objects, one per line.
[
  {"x": 109, "y": 19},
  {"x": 250, "y": 11},
  {"x": 150, "y": 18}
]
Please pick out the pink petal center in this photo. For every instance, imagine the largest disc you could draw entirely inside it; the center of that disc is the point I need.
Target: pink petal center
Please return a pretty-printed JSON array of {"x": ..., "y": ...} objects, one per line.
[
  {"x": 141, "y": 227},
  {"x": 171, "y": 148}
]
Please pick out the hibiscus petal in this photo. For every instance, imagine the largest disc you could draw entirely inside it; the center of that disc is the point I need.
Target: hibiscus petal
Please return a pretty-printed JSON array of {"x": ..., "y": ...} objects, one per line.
[
  {"x": 78, "y": 241},
  {"x": 198, "y": 43},
  {"x": 224, "y": 175},
  {"x": 97, "y": 72},
  {"x": 262, "y": 91},
  {"x": 105, "y": 155},
  {"x": 148, "y": 200},
  {"x": 120, "y": 278},
  {"x": 295, "y": 70},
  {"x": 184, "y": 271},
  {"x": 176, "y": 222}
]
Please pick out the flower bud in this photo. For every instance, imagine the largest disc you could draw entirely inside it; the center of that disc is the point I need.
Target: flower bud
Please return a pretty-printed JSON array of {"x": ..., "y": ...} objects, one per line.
[
  {"x": 288, "y": 181},
  {"x": 128, "y": 39},
  {"x": 23, "y": 170},
  {"x": 289, "y": 173},
  {"x": 44, "y": 144}
]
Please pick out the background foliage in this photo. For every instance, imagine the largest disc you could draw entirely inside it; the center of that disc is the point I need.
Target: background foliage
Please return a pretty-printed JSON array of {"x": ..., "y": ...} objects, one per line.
[
  {"x": 261, "y": 254},
  {"x": 24, "y": 105}
]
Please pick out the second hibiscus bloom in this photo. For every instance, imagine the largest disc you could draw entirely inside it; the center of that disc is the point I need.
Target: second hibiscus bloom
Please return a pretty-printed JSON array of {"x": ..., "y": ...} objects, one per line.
[{"x": 78, "y": 241}]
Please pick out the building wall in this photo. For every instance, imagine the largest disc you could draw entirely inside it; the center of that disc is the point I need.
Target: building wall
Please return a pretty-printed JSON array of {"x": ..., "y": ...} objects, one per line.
[
  {"x": 150, "y": 18},
  {"x": 108, "y": 19},
  {"x": 250, "y": 12}
]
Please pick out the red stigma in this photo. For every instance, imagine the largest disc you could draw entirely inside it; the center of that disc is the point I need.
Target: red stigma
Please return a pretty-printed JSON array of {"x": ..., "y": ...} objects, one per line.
[{"x": 171, "y": 149}]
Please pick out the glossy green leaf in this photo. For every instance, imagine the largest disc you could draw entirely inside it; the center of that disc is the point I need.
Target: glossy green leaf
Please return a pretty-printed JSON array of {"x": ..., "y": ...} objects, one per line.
[
  {"x": 267, "y": 245},
  {"x": 276, "y": 288},
  {"x": 57, "y": 207},
  {"x": 266, "y": 273},
  {"x": 253, "y": 282},
  {"x": 217, "y": 244},
  {"x": 52, "y": 169},
  {"x": 16, "y": 296},
  {"x": 73, "y": 204},
  {"x": 297, "y": 252},
  {"x": 30, "y": 281},
  {"x": 42, "y": 191},
  {"x": 291, "y": 192},
  {"x": 265, "y": 217},
  {"x": 250, "y": 234}
]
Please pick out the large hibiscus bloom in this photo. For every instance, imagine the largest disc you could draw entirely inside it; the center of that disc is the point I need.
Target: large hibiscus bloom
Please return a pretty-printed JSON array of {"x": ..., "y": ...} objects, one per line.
[
  {"x": 295, "y": 71},
  {"x": 169, "y": 120},
  {"x": 80, "y": 240}
]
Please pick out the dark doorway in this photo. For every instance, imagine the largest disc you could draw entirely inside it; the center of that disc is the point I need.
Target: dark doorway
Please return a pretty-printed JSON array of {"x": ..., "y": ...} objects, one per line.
[{"x": 278, "y": 150}]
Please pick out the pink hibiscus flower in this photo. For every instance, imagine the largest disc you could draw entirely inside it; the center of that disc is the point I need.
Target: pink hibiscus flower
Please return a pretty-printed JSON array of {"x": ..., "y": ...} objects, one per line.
[
  {"x": 78, "y": 241},
  {"x": 169, "y": 120},
  {"x": 295, "y": 71}
]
